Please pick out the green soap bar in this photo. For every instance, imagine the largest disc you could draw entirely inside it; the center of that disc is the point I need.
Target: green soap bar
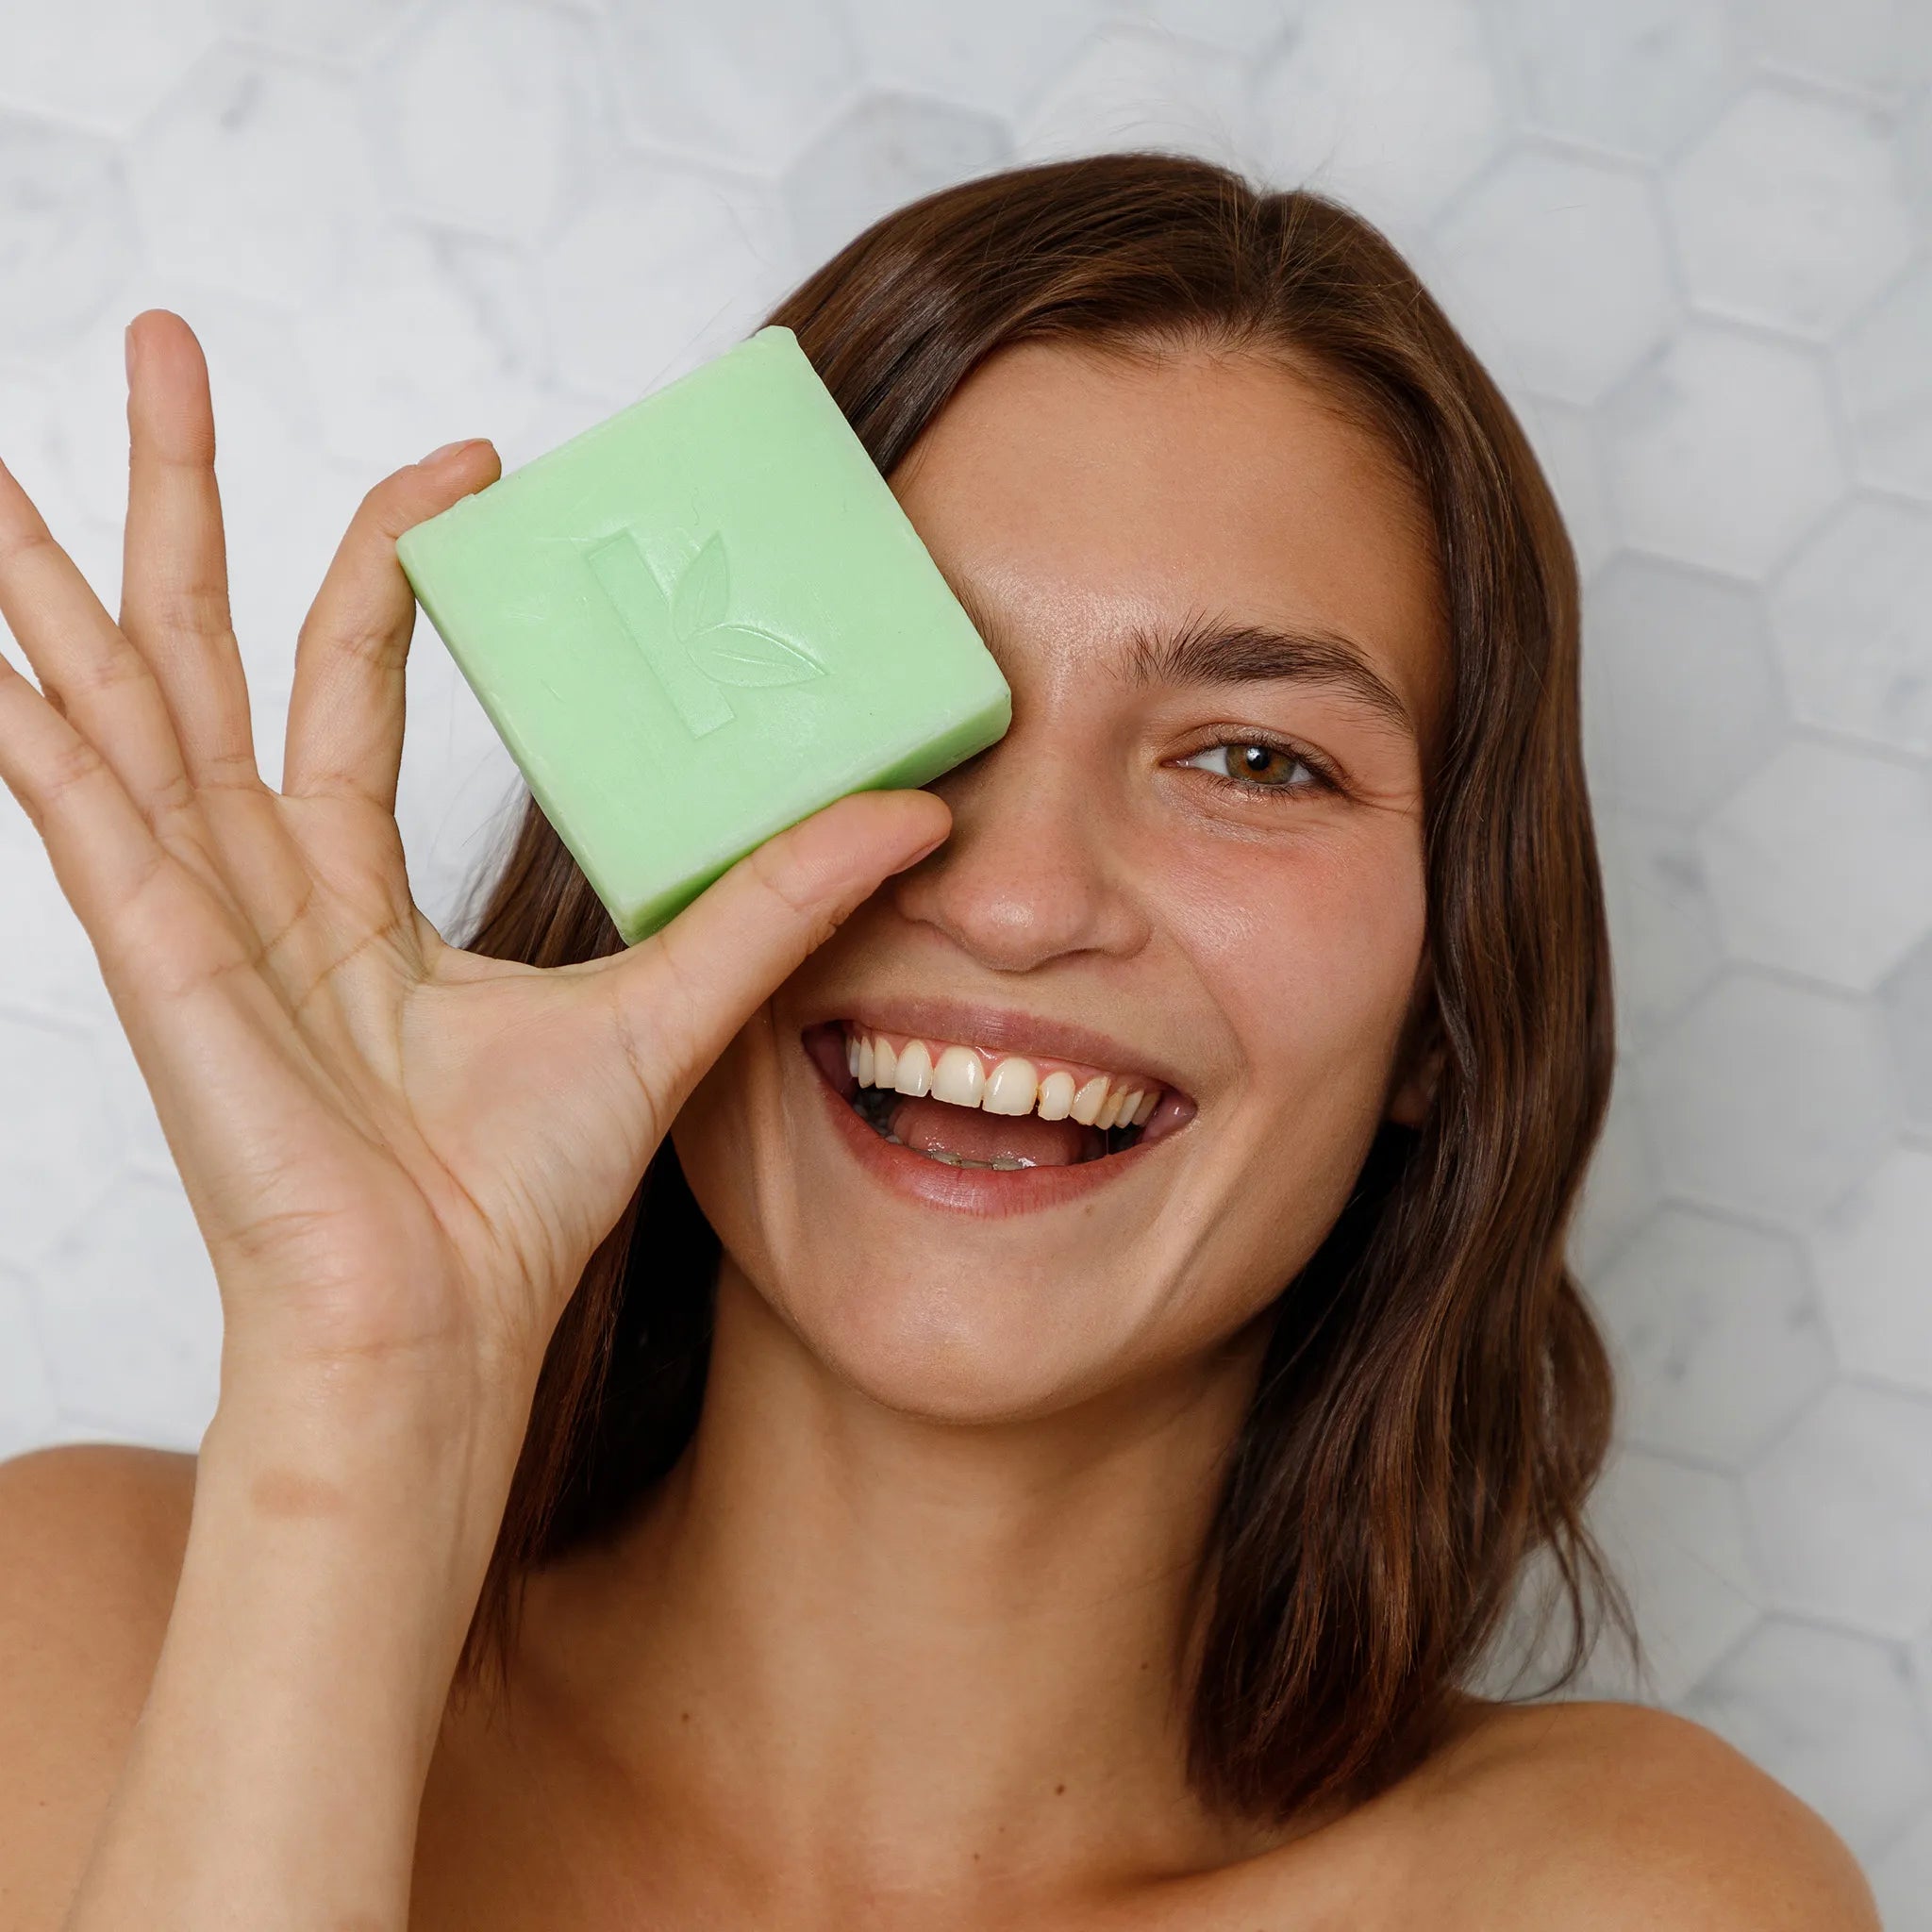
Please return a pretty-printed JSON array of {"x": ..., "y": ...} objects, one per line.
[{"x": 700, "y": 621}]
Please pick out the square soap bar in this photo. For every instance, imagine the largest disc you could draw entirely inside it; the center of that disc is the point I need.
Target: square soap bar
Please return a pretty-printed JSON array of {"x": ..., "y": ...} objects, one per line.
[{"x": 700, "y": 621}]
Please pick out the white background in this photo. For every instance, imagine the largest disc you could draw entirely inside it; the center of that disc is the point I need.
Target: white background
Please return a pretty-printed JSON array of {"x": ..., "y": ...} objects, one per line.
[{"x": 1690, "y": 241}]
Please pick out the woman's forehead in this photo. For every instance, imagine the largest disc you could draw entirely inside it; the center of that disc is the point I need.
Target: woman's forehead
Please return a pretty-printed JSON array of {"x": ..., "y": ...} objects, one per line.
[{"x": 1080, "y": 493}]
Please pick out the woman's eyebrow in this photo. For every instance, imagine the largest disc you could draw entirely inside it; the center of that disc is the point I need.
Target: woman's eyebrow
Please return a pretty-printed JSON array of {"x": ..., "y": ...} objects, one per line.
[{"x": 1204, "y": 652}]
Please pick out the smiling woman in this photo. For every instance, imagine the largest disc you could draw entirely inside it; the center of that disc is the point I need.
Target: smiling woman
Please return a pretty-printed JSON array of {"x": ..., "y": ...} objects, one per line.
[{"x": 999, "y": 1374}]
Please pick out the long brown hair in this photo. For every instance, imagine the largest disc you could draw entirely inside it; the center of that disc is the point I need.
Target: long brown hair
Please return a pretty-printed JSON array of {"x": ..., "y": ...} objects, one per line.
[{"x": 1435, "y": 1400}]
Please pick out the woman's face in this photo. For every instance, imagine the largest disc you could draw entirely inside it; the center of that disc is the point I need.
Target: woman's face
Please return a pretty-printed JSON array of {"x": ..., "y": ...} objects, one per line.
[{"x": 1152, "y": 875}]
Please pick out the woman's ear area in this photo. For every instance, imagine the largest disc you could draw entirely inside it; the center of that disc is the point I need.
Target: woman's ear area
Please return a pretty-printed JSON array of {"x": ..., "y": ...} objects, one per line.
[{"x": 1418, "y": 1056}]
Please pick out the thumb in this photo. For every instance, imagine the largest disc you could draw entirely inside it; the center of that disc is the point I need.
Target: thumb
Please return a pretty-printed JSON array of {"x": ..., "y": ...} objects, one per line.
[{"x": 683, "y": 993}]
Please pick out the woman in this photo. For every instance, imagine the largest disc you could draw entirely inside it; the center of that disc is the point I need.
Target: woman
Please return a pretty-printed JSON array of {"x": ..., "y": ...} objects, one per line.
[{"x": 671, "y": 1470}]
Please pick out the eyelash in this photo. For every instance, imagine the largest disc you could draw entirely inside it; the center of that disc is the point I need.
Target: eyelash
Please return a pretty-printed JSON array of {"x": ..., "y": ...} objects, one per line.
[{"x": 1325, "y": 774}]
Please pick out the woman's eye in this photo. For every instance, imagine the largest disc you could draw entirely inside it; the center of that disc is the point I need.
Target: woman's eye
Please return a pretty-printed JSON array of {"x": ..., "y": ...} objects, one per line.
[{"x": 1261, "y": 767}]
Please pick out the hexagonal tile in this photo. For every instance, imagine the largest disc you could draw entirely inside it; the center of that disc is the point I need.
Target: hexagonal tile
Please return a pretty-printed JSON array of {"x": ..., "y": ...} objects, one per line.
[
  {"x": 1914, "y": 135},
  {"x": 58, "y": 1153},
  {"x": 1389, "y": 106},
  {"x": 1556, "y": 273},
  {"x": 402, "y": 362},
  {"x": 1687, "y": 1300},
  {"x": 1829, "y": 1716},
  {"x": 1767, "y": 1098},
  {"x": 1881, "y": 46},
  {"x": 1842, "y": 1511},
  {"x": 1621, "y": 1186},
  {"x": 1905, "y": 1009},
  {"x": 1639, "y": 77},
  {"x": 1820, "y": 862},
  {"x": 1237, "y": 27},
  {"x": 29, "y": 1414},
  {"x": 254, "y": 179},
  {"x": 1136, "y": 88},
  {"x": 887, "y": 150},
  {"x": 736, "y": 81},
  {"x": 1901, "y": 1877},
  {"x": 66, "y": 233},
  {"x": 1721, "y": 450},
  {"x": 488, "y": 115},
  {"x": 344, "y": 30},
  {"x": 131, "y": 1318},
  {"x": 1853, "y": 613},
  {"x": 1886, "y": 379},
  {"x": 1674, "y": 1538},
  {"x": 660, "y": 270},
  {"x": 1566, "y": 448},
  {"x": 1788, "y": 212},
  {"x": 996, "y": 57},
  {"x": 99, "y": 63},
  {"x": 1872, "y": 1252},
  {"x": 1680, "y": 691},
  {"x": 1664, "y": 943}
]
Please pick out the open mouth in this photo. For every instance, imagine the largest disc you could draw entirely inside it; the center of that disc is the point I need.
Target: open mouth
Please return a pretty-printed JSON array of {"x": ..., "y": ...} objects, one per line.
[{"x": 961, "y": 1107}]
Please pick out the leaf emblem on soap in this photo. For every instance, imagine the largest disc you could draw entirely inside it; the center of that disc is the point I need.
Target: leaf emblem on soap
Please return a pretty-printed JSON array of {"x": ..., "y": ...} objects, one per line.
[
  {"x": 730, "y": 652},
  {"x": 744, "y": 655},
  {"x": 704, "y": 592}
]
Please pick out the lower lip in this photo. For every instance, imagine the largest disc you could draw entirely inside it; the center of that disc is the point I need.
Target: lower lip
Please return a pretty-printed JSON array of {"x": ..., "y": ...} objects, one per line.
[{"x": 986, "y": 1192}]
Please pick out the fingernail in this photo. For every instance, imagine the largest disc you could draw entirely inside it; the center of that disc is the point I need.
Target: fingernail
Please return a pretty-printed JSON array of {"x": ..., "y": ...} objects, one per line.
[{"x": 449, "y": 449}]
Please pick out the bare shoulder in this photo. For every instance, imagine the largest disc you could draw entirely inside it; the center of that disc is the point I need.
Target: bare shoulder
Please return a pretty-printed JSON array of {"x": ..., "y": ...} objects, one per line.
[
  {"x": 92, "y": 1537},
  {"x": 1599, "y": 1817}
]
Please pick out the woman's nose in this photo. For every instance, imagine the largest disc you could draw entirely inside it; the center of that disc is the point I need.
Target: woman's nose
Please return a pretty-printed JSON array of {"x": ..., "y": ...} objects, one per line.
[{"x": 1033, "y": 868}]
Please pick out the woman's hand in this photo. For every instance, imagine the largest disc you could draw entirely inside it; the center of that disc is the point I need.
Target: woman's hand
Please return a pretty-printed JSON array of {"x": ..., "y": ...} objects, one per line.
[{"x": 400, "y": 1154}]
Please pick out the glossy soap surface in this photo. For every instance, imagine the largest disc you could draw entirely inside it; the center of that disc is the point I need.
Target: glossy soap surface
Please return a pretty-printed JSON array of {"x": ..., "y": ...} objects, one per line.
[{"x": 699, "y": 622}]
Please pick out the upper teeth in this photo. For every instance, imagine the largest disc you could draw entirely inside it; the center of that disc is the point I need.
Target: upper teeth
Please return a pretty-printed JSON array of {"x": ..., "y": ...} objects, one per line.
[{"x": 960, "y": 1074}]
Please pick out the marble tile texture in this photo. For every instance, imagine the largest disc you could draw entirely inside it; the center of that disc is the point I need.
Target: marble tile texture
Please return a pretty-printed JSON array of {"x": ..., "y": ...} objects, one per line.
[{"x": 1692, "y": 239}]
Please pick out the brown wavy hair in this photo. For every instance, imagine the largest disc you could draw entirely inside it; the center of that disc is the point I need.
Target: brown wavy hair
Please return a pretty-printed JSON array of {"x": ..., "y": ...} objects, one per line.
[{"x": 1435, "y": 1400}]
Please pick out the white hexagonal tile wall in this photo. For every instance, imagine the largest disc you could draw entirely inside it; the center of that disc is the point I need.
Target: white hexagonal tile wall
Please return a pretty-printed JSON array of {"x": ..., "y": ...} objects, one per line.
[
  {"x": 1873, "y": 1254},
  {"x": 1789, "y": 212},
  {"x": 1688, "y": 1299},
  {"x": 1664, "y": 945},
  {"x": 29, "y": 1414},
  {"x": 997, "y": 56},
  {"x": 1767, "y": 1098},
  {"x": 131, "y": 1317},
  {"x": 660, "y": 268},
  {"x": 1134, "y": 87},
  {"x": 99, "y": 63},
  {"x": 58, "y": 1151},
  {"x": 1841, "y": 1507},
  {"x": 1639, "y": 77},
  {"x": 1905, "y": 1011},
  {"x": 1820, "y": 862},
  {"x": 1237, "y": 27},
  {"x": 254, "y": 177},
  {"x": 1886, "y": 379},
  {"x": 1390, "y": 105},
  {"x": 490, "y": 115},
  {"x": 1554, "y": 266},
  {"x": 886, "y": 150},
  {"x": 1721, "y": 450},
  {"x": 1828, "y": 1715},
  {"x": 66, "y": 232},
  {"x": 343, "y": 30},
  {"x": 1621, "y": 1186},
  {"x": 735, "y": 82},
  {"x": 1853, "y": 617},
  {"x": 1900, "y": 1877},
  {"x": 1674, "y": 1538},
  {"x": 1881, "y": 46},
  {"x": 1680, "y": 692}
]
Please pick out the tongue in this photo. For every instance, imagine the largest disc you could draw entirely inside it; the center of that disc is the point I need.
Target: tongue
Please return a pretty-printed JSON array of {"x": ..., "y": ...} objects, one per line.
[{"x": 937, "y": 1126}]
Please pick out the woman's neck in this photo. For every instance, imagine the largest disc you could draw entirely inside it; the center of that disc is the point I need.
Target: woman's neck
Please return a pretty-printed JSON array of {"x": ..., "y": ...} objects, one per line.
[{"x": 862, "y": 1653}]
